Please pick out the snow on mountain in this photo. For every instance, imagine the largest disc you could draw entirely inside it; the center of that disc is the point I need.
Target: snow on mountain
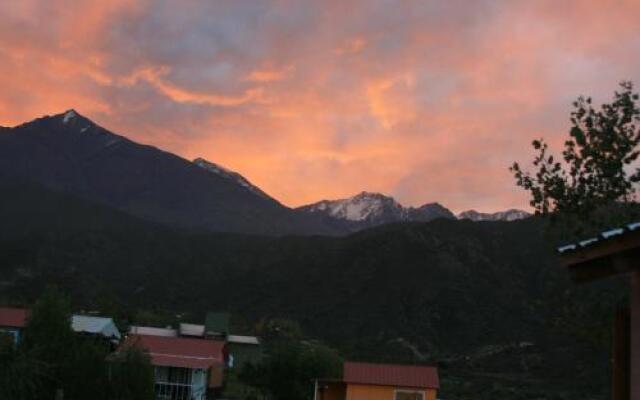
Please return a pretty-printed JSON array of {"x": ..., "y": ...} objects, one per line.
[
  {"x": 231, "y": 175},
  {"x": 69, "y": 115},
  {"x": 508, "y": 215},
  {"x": 361, "y": 207},
  {"x": 374, "y": 208}
]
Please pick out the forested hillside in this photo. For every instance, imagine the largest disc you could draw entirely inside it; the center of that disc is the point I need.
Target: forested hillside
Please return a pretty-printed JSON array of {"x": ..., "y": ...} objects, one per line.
[{"x": 486, "y": 301}]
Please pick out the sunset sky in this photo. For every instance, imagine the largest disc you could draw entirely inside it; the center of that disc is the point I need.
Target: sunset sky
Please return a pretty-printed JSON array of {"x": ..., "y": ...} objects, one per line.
[{"x": 422, "y": 100}]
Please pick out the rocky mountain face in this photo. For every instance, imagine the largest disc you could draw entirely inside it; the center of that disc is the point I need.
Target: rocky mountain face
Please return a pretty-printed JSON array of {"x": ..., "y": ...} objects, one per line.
[
  {"x": 370, "y": 209},
  {"x": 69, "y": 153},
  {"x": 509, "y": 215}
]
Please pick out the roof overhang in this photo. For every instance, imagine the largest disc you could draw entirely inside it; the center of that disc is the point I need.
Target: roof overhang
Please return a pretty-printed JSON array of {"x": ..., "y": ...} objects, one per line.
[{"x": 602, "y": 257}]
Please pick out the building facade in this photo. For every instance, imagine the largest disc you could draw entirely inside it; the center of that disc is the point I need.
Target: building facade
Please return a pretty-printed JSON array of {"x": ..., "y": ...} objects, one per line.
[{"x": 367, "y": 381}]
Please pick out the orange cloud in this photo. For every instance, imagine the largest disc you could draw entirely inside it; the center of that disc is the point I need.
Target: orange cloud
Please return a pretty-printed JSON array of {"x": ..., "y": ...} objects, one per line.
[{"x": 423, "y": 100}]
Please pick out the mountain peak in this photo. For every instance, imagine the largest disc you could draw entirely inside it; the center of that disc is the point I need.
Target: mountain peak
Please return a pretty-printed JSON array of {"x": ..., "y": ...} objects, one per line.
[
  {"x": 371, "y": 208},
  {"x": 508, "y": 215},
  {"x": 68, "y": 115}
]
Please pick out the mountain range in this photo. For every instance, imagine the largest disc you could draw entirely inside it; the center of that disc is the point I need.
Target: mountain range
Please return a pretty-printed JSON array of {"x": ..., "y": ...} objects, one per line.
[
  {"x": 371, "y": 209},
  {"x": 69, "y": 153},
  {"x": 129, "y": 229}
]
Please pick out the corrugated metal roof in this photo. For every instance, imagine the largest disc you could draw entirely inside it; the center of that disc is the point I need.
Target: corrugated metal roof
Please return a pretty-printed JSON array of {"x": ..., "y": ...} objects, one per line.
[
  {"x": 191, "y": 330},
  {"x": 409, "y": 376},
  {"x": 13, "y": 317},
  {"x": 95, "y": 325},
  {"x": 180, "y": 352},
  {"x": 148, "y": 330},
  {"x": 217, "y": 322},
  {"x": 606, "y": 235},
  {"x": 243, "y": 339}
]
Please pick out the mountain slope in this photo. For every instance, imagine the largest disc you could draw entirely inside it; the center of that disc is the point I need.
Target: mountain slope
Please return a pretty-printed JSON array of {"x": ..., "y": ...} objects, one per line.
[
  {"x": 231, "y": 176},
  {"x": 370, "y": 209},
  {"x": 70, "y": 153},
  {"x": 487, "y": 301}
]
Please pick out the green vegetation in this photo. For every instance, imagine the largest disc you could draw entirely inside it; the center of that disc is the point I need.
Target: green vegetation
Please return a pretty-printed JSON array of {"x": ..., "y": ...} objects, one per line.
[
  {"x": 290, "y": 363},
  {"x": 52, "y": 360}
]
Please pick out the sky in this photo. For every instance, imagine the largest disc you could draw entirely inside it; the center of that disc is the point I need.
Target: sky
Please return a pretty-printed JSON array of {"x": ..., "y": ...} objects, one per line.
[{"x": 421, "y": 100}]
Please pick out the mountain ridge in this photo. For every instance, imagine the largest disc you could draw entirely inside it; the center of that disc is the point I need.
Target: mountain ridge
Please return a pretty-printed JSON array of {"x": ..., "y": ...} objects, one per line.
[
  {"x": 69, "y": 153},
  {"x": 371, "y": 208}
]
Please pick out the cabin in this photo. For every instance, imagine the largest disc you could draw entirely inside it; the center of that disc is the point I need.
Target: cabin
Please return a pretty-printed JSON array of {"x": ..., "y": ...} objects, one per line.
[
  {"x": 367, "y": 381},
  {"x": 185, "y": 368},
  {"x": 614, "y": 252},
  {"x": 96, "y": 327},
  {"x": 12, "y": 323}
]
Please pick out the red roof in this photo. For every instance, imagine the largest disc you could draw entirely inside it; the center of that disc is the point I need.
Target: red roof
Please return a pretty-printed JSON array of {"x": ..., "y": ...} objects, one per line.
[
  {"x": 13, "y": 317},
  {"x": 410, "y": 376},
  {"x": 180, "y": 352}
]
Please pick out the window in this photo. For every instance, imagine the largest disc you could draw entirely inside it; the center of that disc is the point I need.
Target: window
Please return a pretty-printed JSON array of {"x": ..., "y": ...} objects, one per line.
[{"x": 409, "y": 395}]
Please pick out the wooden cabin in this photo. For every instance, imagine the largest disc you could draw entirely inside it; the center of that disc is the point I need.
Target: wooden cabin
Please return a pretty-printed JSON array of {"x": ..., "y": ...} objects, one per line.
[
  {"x": 367, "y": 381},
  {"x": 614, "y": 252}
]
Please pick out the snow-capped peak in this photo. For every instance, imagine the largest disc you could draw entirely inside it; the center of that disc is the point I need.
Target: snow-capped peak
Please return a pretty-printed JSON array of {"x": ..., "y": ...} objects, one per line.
[
  {"x": 375, "y": 208},
  {"x": 69, "y": 115},
  {"x": 230, "y": 175},
  {"x": 363, "y": 206},
  {"x": 508, "y": 215}
]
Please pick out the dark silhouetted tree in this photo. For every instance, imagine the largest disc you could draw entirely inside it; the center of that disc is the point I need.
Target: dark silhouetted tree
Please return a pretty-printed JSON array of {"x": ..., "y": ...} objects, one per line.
[{"x": 596, "y": 170}]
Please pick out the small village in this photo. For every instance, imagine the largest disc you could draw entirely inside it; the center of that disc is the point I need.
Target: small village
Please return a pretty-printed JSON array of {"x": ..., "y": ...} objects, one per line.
[{"x": 192, "y": 361}]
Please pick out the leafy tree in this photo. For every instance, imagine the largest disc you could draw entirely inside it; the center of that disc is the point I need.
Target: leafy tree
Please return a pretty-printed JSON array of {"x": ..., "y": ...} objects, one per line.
[
  {"x": 48, "y": 338},
  {"x": 131, "y": 375},
  {"x": 290, "y": 363},
  {"x": 20, "y": 374},
  {"x": 595, "y": 172}
]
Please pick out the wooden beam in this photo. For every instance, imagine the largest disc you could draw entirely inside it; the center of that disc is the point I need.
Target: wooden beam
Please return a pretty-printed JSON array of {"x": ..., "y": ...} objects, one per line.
[
  {"x": 602, "y": 248},
  {"x": 621, "y": 360},
  {"x": 603, "y": 267}
]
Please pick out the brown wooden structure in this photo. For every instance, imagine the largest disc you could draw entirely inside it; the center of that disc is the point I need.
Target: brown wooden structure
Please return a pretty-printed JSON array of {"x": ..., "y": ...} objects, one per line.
[{"x": 615, "y": 252}]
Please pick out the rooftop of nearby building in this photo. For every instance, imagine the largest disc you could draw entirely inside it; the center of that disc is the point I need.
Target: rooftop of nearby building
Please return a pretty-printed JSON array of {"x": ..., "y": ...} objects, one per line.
[
  {"x": 612, "y": 252},
  {"x": 610, "y": 234},
  {"x": 180, "y": 352},
  {"x": 149, "y": 330},
  {"x": 191, "y": 329},
  {"x": 409, "y": 376},
  {"x": 240, "y": 339},
  {"x": 14, "y": 317},
  {"x": 95, "y": 325}
]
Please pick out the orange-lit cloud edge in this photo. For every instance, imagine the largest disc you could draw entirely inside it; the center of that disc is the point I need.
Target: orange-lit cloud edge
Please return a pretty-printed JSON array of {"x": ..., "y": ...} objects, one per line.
[{"x": 422, "y": 100}]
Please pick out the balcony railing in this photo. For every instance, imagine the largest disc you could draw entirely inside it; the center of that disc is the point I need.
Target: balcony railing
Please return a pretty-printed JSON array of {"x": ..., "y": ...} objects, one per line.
[{"x": 178, "y": 391}]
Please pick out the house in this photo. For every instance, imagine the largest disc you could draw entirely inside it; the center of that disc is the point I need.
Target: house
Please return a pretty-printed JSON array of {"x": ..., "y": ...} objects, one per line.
[
  {"x": 366, "y": 381},
  {"x": 12, "y": 323},
  {"x": 185, "y": 368},
  {"x": 614, "y": 252},
  {"x": 96, "y": 326}
]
